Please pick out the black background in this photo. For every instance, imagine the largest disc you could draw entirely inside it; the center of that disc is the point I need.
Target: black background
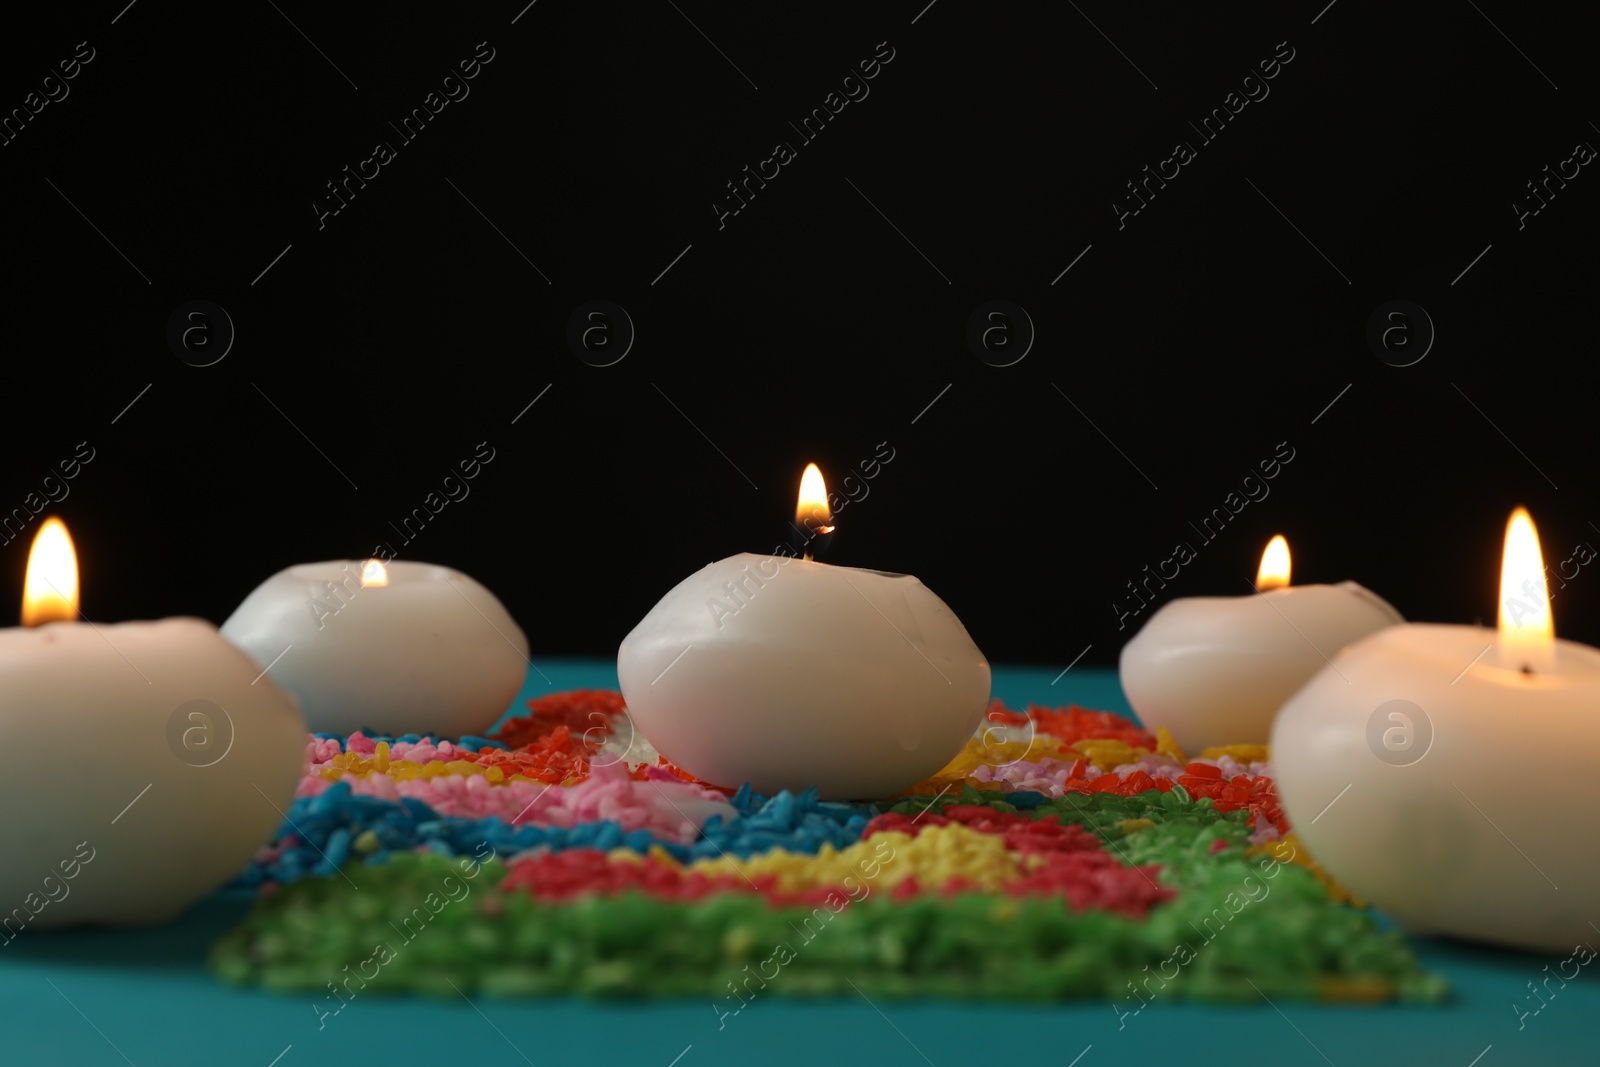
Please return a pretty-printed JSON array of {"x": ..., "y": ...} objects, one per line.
[{"x": 380, "y": 349}]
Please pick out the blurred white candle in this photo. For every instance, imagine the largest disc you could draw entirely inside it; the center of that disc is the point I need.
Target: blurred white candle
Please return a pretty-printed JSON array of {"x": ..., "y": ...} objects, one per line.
[
  {"x": 1445, "y": 773},
  {"x": 788, "y": 674},
  {"x": 150, "y": 762},
  {"x": 400, "y": 647},
  {"x": 1215, "y": 670}
]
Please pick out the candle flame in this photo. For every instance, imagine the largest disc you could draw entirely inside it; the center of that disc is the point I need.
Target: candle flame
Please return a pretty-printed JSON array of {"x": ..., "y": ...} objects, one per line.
[
  {"x": 1525, "y": 623},
  {"x": 50, "y": 590},
  {"x": 1274, "y": 570},
  {"x": 813, "y": 503},
  {"x": 374, "y": 574}
]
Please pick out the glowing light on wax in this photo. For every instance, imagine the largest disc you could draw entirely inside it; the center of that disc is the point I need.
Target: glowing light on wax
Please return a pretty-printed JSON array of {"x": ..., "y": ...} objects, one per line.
[
  {"x": 50, "y": 590},
  {"x": 1526, "y": 632},
  {"x": 163, "y": 700},
  {"x": 374, "y": 574},
  {"x": 1274, "y": 570},
  {"x": 1423, "y": 718},
  {"x": 813, "y": 504},
  {"x": 791, "y": 674},
  {"x": 434, "y": 651},
  {"x": 1215, "y": 670}
]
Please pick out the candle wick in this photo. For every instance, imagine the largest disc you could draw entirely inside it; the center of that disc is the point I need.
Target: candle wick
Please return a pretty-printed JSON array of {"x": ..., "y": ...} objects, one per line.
[
  {"x": 1527, "y": 669},
  {"x": 808, "y": 557}
]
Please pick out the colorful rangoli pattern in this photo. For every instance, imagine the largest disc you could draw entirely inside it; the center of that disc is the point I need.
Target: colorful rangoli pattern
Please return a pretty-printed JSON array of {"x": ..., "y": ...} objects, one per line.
[{"x": 1064, "y": 853}]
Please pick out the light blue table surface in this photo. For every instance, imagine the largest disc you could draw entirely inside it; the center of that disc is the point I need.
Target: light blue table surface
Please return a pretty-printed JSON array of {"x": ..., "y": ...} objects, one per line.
[{"x": 143, "y": 997}]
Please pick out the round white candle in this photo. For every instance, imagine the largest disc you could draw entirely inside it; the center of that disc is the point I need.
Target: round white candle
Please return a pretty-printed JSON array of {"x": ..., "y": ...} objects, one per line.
[
  {"x": 1215, "y": 670},
  {"x": 789, "y": 674},
  {"x": 177, "y": 768},
  {"x": 1444, "y": 774},
  {"x": 430, "y": 650},
  {"x": 1423, "y": 840}
]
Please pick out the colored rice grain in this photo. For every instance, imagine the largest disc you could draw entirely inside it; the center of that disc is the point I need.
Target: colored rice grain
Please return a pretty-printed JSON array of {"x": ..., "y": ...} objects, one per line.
[
  {"x": 969, "y": 946},
  {"x": 672, "y": 809},
  {"x": 1062, "y": 853}
]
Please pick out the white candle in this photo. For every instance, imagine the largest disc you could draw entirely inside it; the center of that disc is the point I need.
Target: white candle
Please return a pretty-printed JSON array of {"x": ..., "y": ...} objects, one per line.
[
  {"x": 1215, "y": 670},
  {"x": 398, "y": 647},
  {"x": 1445, "y": 773},
  {"x": 179, "y": 764},
  {"x": 789, "y": 674}
]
